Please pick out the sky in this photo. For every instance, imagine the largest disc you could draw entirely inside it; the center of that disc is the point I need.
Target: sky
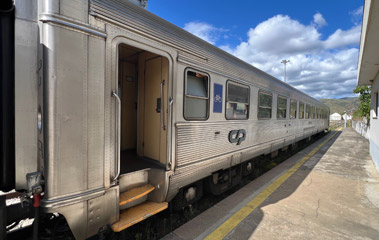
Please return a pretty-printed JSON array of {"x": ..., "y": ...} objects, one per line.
[{"x": 319, "y": 37}]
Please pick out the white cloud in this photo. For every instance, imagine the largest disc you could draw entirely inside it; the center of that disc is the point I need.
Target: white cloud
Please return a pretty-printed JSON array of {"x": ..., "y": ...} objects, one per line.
[
  {"x": 357, "y": 15},
  {"x": 321, "y": 68},
  {"x": 205, "y": 31},
  {"x": 319, "y": 20},
  {"x": 342, "y": 38},
  {"x": 357, "y": 12}
]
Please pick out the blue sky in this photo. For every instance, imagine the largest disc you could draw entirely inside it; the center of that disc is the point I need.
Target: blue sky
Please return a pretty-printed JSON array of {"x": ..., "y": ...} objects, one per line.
[{"x": 319, "y": 37}]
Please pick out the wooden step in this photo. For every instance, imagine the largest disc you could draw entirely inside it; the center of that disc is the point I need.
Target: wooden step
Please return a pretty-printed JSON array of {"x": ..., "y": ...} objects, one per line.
[
  {"x": 135, "y": 193},
  {"x": 138, "y": 213}
]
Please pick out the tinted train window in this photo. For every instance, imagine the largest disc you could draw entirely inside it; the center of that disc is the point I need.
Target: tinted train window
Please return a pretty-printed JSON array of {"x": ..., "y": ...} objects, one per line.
[
  {"x": 281, "y": 112},
  {"x": 301, "y": 110},
  {"x": 307, "y": 111},
  {"x": 237, "y": 101},
  {"x": 293, "y": 108},
  {"x": 264, "y": 105},
  {"x": 313, "y": 112},
  {"x": 196, "y": 100}
]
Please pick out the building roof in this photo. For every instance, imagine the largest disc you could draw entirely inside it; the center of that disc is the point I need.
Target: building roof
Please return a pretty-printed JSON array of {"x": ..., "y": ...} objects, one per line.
[{"x": 368, "y": 65}]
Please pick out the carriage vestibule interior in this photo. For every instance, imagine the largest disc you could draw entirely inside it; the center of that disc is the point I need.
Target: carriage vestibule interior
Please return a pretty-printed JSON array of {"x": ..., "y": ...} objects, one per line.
[{"x": 143, "y": 81}]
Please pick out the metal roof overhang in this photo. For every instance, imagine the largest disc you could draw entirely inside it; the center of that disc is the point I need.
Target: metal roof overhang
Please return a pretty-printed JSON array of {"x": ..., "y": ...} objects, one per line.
[{"x": 368, "y": 65}]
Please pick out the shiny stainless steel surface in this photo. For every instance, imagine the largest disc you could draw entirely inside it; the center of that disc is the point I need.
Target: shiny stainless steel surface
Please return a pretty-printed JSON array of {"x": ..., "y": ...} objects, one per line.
[
  {"x": 160, "y": 179},
  {"x": 102, "y": 211},
  {"x": 73, "y": 110},
  {"x": 75, "y": 9},
  {"x": 118, "y": 133},
  {"x": 72, "y": 198},
  {"x": 86, "y": 217},
  {"x": 27, "y": 75},
  {"x": 68, "y": 22},
  {"x": 76, "y": 169},
  {"x": 27, "y": 9},
  {"x": 134, "y": 179}
]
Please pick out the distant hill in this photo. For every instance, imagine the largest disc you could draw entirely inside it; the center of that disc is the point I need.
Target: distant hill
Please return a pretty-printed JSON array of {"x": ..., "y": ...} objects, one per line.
[{"x": 342, "y": 104}]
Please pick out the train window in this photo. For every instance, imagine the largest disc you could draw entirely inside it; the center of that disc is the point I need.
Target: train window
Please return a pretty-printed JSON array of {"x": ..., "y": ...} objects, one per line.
[
  {"x": 301, "y": 110},
  {"x": 237, "y": 101},
  {"x": 307, "y": 111},
  {"x": 313, "y": 112},
  {"x": 264, "y": 105},
  {"x": 196, "y": 99},
  {"x": 281, "y": 112},
  {"x": 293, "y": 108}
]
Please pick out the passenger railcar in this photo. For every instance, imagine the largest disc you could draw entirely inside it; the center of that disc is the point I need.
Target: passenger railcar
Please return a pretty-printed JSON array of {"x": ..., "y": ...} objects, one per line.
[{"x": 119, "y": 112}]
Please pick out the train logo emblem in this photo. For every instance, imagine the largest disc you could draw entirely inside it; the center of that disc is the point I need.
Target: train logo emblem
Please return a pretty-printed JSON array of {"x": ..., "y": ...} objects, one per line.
[
  {"x": 237, "y": 136},
  {"x": 218, "y": 98}
]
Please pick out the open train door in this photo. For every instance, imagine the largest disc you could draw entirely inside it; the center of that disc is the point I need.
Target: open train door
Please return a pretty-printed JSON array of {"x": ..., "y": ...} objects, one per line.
[
  {"x": 155, "y": 92},
  {"x": 142, "y": 95}
]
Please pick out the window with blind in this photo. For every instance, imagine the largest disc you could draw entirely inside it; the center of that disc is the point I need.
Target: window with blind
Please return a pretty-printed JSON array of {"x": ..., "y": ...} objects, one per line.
[
  {"x": 237, "y": 101},
  {"x": 307, "y": 111},
  {"x": 264, "y": 105},
  {"x": 293, "y": 109},
  {"x": 281, "y": 112},
  {"x": 196, "y": 99},
  {"x": 301, "y": 110}
]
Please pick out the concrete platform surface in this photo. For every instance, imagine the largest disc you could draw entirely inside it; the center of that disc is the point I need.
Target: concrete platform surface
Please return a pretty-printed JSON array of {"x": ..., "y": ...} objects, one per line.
[{"x": 328, "y": 191}]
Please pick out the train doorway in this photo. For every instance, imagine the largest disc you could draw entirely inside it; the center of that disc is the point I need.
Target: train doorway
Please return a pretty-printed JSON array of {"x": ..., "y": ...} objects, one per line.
[{"x": 142, "y": 81}]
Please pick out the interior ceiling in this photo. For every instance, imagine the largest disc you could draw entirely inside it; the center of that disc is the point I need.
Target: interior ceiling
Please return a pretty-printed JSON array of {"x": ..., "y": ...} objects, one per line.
[{"x": 129, "y": 53}]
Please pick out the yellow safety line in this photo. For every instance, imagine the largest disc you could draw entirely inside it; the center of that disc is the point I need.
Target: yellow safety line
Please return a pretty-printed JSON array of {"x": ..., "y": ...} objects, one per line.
[{"x": 225, "y": 228}]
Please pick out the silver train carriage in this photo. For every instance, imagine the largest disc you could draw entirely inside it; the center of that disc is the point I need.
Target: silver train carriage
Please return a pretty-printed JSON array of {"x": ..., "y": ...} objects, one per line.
[{"x": 118, "y": 109}]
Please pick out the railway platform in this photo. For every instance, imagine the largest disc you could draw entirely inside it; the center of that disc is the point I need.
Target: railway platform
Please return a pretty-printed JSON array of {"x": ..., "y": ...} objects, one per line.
[{"x": 330, "y": 190}]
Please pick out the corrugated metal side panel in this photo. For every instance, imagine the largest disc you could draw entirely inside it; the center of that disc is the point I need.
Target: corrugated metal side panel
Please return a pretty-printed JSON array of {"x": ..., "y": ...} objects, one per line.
[
  {"x": 146, "y": 23},
  {"x": 200, "y": 153},
  {"x": 198, "y": 142}
]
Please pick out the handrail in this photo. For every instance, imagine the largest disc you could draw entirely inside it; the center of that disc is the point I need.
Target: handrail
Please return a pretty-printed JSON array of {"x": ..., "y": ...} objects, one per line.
[
  {"x": 114, "y": 94},
  {"x": 169, "y": 115}
]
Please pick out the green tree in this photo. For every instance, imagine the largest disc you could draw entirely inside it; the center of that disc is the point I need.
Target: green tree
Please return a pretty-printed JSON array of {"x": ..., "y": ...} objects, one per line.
[{"x": 365, "y": 98}]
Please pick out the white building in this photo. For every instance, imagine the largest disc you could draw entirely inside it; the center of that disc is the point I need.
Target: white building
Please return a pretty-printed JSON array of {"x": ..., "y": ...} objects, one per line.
[
  {"x": 368, "y": 69},
  {"x": 335, "y": 117},
  {"x": 347, "y": 117}
]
